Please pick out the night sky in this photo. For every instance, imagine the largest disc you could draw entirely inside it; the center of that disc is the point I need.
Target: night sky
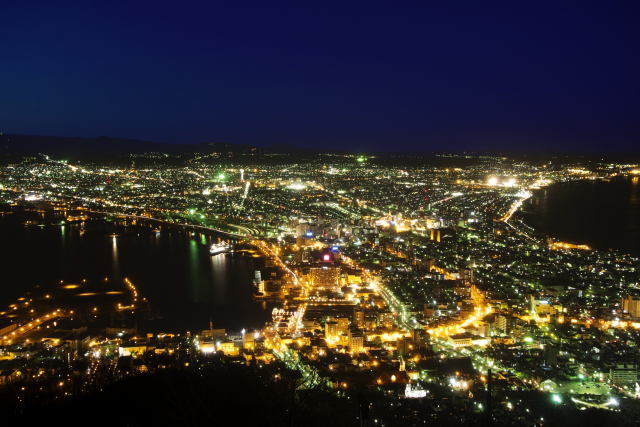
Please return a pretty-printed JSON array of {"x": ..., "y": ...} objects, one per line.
[{"x": 381, "y": 75}]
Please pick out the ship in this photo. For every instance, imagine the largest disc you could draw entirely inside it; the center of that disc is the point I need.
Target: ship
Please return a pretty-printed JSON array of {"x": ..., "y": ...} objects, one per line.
[{"x": 219, "y": 248}]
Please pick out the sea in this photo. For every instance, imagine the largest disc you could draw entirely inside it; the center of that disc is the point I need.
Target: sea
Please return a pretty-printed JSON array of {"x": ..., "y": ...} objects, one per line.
[
  {"x": 187, "y": 288},
  {"x": 601, "y": 214}
]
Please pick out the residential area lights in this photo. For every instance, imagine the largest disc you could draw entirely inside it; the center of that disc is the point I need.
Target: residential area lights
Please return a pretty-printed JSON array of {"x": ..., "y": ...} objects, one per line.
[{"x": 386, "y": 276}]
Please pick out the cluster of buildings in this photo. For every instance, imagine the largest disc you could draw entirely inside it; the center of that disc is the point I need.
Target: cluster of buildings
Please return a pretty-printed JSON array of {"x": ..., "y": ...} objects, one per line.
[{"x": 414, "y": 281}]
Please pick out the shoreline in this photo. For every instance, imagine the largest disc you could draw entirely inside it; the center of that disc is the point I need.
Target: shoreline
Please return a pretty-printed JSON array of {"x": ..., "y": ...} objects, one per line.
[
  {"x": 173, "y": 268},
  {"x": 560, "y": 206}
]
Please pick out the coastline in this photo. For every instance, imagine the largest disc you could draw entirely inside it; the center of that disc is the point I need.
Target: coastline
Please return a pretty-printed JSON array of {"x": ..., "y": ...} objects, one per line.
[
  {"x": 172, "y": 268},
  {"x": 601, "y": 214}
]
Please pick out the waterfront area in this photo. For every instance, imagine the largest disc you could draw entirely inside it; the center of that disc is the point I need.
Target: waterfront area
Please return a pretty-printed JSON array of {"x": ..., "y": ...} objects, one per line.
[
  {"x": 279, "y": 214},
  {"x": 602, "y": 214},
  {"x": 412, "y": 285}
]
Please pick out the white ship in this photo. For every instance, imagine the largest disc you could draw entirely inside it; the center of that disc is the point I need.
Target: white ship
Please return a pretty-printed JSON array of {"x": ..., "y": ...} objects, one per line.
[{"x": 219, "y": 248}]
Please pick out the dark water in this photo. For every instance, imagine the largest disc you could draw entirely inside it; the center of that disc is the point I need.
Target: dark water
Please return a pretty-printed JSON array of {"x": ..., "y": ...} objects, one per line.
[
  {"x": 185, "y": 285},
  {"x": 600, "y": 214}
]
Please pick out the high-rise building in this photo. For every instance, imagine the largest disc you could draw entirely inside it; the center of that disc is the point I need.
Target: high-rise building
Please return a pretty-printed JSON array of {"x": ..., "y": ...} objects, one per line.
[
  {"x": 504, "y": 324},
  {"x": 358, "y": 317},
  {"x": 331, "y": 330},
  {"x": 356, "y": 340},
  {"x": 466, "y": 274},
  {"x": 623, "y": 373},
  {"x": 404, "y": 346},
  {"x": 551, "y": 354},
  {"x": 631, "y": 305},
  {"x": 417, "y": 338}
]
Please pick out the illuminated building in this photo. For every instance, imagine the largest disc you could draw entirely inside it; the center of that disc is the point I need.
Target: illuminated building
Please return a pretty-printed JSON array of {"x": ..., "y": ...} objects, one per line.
[
  {"x": 207, "y": 345},
  {"x": 307, "y": 239},
  {"x": 414, "y": 393},
  {"x": 479, "y": 328},
  {"x": 631, "y": 305},
  {"x": 331, "y": 330},
  {"x": 228, "y": 348},
  {"x": 356, "y": 340},
  {"x": 623, "y": 373},
  {"x": 248, "y": 340},
  {"x": 462, "y": 291},
  {"x": 303, "y": 255},
  {"x": 343, "y": 325},
  {"x": 358, "y": 317},
  {"x": 385, "y": 318},
  {"x": 504, "y": 323},
  {"x": 466, "y": 274},
  {"x": 132, "y": 349},
  {"x": 324, "y": 277},
  {"x": 213, "y": 334},
  {"x": 307, "y": 230},
  {"x": 540, "y": 307},
  {"x": 461, "y": 340}
]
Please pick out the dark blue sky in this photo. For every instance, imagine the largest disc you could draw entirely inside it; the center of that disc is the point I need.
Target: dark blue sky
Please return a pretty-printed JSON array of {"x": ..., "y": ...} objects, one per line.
[{"x": 375, "y": 74}]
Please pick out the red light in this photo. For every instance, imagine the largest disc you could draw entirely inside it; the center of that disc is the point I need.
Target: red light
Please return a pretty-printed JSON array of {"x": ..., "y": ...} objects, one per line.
[{"x": 327, "y": 257}]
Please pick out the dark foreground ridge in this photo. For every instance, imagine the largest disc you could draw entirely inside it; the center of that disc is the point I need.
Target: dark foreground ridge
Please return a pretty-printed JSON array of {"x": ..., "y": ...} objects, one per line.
[{"x": 211, "y": 393}]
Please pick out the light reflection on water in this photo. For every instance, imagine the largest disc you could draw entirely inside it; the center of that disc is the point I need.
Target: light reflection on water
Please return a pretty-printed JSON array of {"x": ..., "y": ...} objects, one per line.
[
  {"x": 174, "y": 270},
  {"x": 600, "y": 214},
  {"x": 114, "y": 257}
]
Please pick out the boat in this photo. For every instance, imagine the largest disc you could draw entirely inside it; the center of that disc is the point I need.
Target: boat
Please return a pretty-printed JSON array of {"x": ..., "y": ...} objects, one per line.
[
  {"x": 44, "y": 222},
  {"x": 218, "y": 248}
]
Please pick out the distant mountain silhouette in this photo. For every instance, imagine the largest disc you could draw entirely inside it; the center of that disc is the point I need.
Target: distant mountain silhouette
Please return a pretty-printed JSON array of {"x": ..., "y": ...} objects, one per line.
[
  {"x": 60, "y": 146},
  {"x": 222, "y": 147},
  {"x": 75, "y": 146},
  {"x": 105, "y": 145}
]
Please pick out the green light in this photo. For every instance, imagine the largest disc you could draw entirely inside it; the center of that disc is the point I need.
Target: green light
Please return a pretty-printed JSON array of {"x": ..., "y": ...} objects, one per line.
[
  {"x": 192, "y": 211},
  {"x": 361, "y": 159},
  {"x": 556, "y": 398},
  {"x": 221, "y": 176}
]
